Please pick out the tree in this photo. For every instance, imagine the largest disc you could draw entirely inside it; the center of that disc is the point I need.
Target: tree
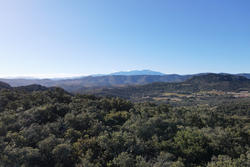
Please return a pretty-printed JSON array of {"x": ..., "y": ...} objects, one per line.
[
  {"x": 192, "y": 145},
  {"x": 63, "y": 155},
  {"x": 124, "y": 160}
]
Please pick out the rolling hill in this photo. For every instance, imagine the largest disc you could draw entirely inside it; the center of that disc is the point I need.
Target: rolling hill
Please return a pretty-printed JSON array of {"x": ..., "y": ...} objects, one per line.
[
  {"x": 199, "y": 89},
  {"x": 244, "y": 75},
  {"x": 120, "y": 79},
  {"x": 28, "y": 88},
  {"x": 207, "y": 82},
  {"x": 4, "y": 85},
  {"x": 31, "y": 88},
  {"x": 77, "y": 84}
]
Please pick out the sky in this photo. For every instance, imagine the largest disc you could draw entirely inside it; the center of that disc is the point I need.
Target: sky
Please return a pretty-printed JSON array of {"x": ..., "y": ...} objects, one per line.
[{"x": 57, "y": 38}]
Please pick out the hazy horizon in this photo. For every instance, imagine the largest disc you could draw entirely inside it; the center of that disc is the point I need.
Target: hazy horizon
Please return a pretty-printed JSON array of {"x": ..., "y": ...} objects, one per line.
[{"x": 61, "y": 76}]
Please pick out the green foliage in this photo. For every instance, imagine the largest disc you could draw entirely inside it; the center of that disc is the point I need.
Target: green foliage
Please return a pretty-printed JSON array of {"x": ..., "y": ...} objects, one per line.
[
  {"x": 123, "y": 160},
  {"x": 63, "y": 154},
  {"x": 53, "y": 128},
  {"x": 226, "y": 161},
  {"x": 192, "y": 145}
]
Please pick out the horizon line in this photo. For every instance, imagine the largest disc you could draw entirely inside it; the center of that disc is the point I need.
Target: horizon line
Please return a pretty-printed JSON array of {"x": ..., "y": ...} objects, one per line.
[{"x": 65, "y": 76}]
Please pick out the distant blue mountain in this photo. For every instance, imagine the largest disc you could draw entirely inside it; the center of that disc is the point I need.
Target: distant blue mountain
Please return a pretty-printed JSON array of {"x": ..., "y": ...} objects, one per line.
[
  {"x": 137, "y": 72},
  {"x": 247, "y": 75},
  {"x": 136, "y": 77}
]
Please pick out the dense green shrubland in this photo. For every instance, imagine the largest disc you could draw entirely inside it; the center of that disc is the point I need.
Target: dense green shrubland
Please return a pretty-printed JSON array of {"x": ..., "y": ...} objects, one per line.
[{"x": 54, "y": 128}]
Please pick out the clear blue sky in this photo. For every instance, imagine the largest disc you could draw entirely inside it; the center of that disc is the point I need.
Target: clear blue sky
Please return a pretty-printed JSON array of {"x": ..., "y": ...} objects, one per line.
[{"x": 65, "y": 37}]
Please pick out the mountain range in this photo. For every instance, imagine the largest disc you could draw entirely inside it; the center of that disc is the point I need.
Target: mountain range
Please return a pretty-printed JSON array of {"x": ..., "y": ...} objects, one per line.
[
  {"x": 118, "y": 79},
  {"x": 138, "y": 72},
  {"x": 199, "y": 89},
  {"x": 196, "y": 84}
]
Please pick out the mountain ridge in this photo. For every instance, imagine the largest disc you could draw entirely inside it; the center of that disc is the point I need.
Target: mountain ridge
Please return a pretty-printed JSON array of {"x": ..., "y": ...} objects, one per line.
[
  {"x": 137, "y": 72},
  {"x": 4, "y": 85},
  {"x": 76, "y": 84},
  {"x": 207, "y": 82}
]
